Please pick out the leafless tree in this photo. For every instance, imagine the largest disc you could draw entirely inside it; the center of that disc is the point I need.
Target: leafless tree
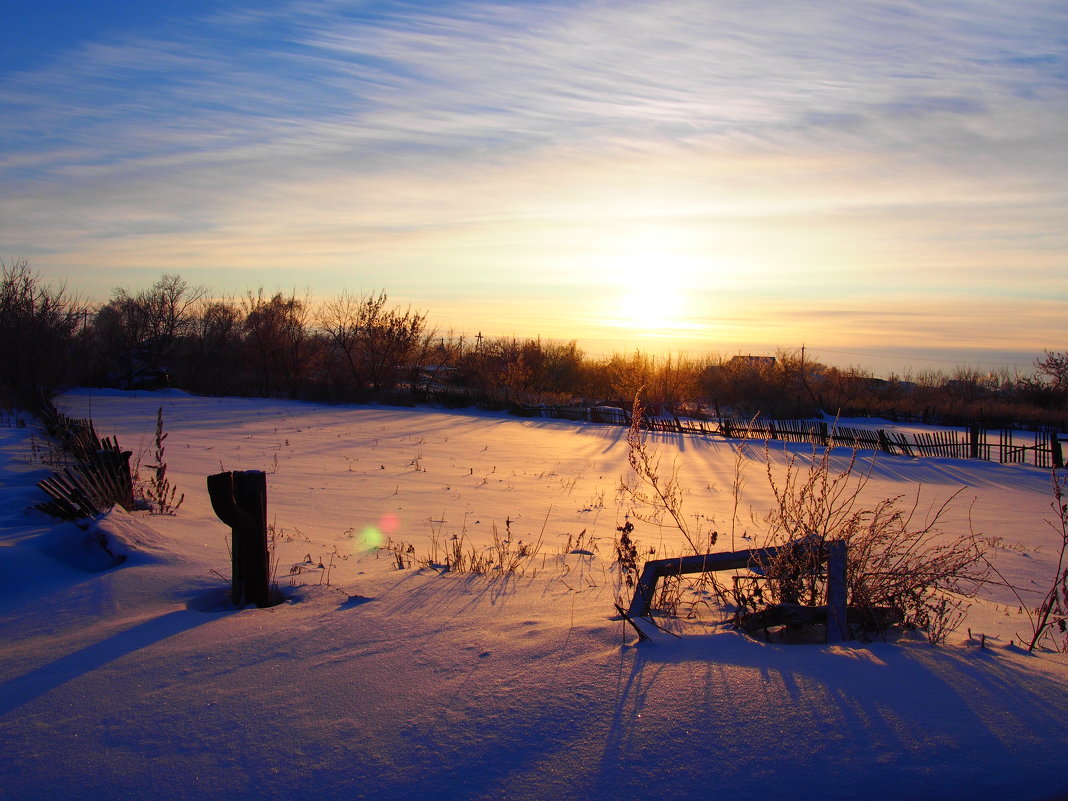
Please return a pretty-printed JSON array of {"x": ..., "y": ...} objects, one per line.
[
  {"x": 38, "y": 328},
  {"x": 278, "y": 341},
  {"x": 374, "y": 342},
  {"x": 1054, "y": 367},
  {"x": 138, "y": 331}
]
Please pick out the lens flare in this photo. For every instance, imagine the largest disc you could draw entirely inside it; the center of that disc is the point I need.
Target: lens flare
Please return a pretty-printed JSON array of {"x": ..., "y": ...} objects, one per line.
[
  {"x": 371, "y": 538},
  {"x": 374, "y": 536}
]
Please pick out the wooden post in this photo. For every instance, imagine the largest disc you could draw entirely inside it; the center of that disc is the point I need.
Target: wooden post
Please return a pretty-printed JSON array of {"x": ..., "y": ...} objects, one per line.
[
  {"x": 837, "y": 620},
  {"x": 240, "y": 500},
  {"x": 884, "y": 442},
  {"x": 1055, "y": 450},
  {"x": 975, "y": 440}
]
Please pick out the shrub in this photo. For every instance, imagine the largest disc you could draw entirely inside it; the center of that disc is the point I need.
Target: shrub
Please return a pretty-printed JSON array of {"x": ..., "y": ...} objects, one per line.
[
  {"x": 898, "y": 567},
  {"x": 651, "y": 490},
  {"x": 158, "y": 490},
  {"x": 1050, "y": 618}
]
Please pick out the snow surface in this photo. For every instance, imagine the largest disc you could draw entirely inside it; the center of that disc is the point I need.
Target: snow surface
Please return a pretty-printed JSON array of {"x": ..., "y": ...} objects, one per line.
[{"x": 139, "y": 681}]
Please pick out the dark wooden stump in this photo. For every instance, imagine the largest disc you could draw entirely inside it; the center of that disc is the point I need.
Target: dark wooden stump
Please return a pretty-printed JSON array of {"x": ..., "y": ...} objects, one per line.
[{"x": 240, "y": 501}]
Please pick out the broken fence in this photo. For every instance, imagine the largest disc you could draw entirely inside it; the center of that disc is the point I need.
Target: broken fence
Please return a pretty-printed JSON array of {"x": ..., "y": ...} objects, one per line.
[{"x": 1043, "y": 449}]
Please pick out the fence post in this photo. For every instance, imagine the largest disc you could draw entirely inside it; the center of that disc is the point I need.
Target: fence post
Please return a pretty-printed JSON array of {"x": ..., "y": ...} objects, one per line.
[
  {"x": 974, "y": 440},
  {"x": 837, "y": 610},
  {"x": 1055, "y": 450},
  {"x": 240, "y": 500},
  {"x": 884, "y": 442}
]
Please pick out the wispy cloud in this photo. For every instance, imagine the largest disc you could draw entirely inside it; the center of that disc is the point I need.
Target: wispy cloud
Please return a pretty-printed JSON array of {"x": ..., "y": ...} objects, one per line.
[{"x": 794, "y": 147}]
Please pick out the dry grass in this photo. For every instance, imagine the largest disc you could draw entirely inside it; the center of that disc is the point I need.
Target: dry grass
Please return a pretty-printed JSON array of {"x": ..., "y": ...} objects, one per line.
[{"x": 896, "y": 561}]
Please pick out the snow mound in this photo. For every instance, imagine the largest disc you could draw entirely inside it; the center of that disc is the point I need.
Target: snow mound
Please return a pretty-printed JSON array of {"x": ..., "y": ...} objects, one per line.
[
  {"x": 113, "y": 539},
  {"x": 128, "y": 538}
]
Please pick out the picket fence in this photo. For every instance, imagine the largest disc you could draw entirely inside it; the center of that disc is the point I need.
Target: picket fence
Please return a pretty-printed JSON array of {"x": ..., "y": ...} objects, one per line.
[{"x": 1040, "y": 448}]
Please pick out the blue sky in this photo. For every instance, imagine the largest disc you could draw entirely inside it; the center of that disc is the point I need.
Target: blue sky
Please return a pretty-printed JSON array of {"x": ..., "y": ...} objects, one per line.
[{"x": 884, "y": 183}]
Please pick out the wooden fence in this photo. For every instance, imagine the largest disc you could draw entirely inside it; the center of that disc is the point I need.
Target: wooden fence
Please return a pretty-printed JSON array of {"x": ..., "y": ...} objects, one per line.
[
  {"x": 1040, "y": 448},
  {"x": 98, "y": 476}
]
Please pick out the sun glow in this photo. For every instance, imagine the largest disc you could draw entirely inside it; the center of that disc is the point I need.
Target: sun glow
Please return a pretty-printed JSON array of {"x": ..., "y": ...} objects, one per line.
[
  {"x": 656, "y": 279},
  {"x": 651, "y": 308}
]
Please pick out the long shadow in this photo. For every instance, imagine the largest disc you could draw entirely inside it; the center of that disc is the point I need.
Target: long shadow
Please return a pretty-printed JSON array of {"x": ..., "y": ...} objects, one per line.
[
  {"x": 873, "y": 704},
  {"x": 32, "y": 685}
]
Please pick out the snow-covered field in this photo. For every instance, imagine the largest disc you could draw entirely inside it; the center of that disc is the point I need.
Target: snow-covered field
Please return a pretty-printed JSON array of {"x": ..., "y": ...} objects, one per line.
[{"x": 139, "y": 682}]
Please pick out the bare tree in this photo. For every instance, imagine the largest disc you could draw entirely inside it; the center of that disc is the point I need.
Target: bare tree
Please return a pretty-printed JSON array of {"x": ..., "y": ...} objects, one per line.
[
  {"x": 340, "y": 319},
  {"x": 212, "y": 357},
  {"x": 372, "y": 341},
  {"x": 278, "y": 341},
  {"x": 390, "y": 337},
  {"x": 138, "y": 331},
  {"x": 38, "y": 328},
  {"x": 1054, "y": 367}
]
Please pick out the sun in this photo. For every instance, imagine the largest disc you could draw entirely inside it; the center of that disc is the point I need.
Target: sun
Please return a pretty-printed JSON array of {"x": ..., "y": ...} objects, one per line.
[
  {"x": 651, "y": 308},
  {"x": 655, "y": 276},
  {"x": 655, "y": 295}
]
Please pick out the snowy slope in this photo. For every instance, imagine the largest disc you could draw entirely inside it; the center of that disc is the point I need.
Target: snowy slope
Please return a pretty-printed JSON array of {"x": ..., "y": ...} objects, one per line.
[{"x": 139, "y": 681}]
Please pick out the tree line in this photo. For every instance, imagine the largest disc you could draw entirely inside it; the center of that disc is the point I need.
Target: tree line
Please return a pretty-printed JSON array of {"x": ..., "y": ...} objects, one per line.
[{"x": 360, "y": 347}]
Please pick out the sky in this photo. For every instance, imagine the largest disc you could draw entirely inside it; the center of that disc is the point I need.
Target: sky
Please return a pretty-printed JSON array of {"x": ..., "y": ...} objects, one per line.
[{"x": 883, "y": 183}]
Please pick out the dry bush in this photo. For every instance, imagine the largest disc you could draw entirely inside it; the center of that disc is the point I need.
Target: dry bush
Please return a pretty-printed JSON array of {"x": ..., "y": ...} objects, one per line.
[
  {"x": 1049, "y": 620},
  {"x": 626, "y": 560},
  {"x": 663, "y": 498},
  {"x": 1051, "y": 617},
  {"x": 652, "y": 491},
  {"x": 940, "y": 616},
  {"x": 898, "y": 566},
  {"x": 401, "y": 553}
]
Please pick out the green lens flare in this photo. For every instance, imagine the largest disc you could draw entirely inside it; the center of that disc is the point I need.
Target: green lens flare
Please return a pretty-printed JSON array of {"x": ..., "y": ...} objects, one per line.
[{"x": 371, "y": 537}]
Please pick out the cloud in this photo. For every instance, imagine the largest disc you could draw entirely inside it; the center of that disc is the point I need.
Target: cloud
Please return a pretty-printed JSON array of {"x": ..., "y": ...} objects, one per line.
[{"x": 804, "y": 149}]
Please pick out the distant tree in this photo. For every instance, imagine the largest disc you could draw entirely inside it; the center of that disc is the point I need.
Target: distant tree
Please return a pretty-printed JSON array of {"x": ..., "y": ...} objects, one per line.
[
  {"x": 169, "y": 306},
  {"x": 119, "y": 329},
  {"x": 389, "y": 341},
  {"x": 1054, "y": 368},
  {"x": 967, "y": 385},
  {"x": 340, "y": 320},
  {"x": 515, "y": 375},
  {"x": 278, "y": 342},
  {"x": 372, "y": 341},
  {"x": 1047, "y": 388},
  {"x": 211, "y": 353},
  {"x": 743, "y": 385},
  {"x": 39, "y": 326},
  {"x": 438, "y": 358},
  {"x": 563, "y": 368},
  {"x": 138, "y": 331},
  {"x": 674, "y": 381},
  {"x": 625, "y": 375},
  {"x": 479, "y": 368}
]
